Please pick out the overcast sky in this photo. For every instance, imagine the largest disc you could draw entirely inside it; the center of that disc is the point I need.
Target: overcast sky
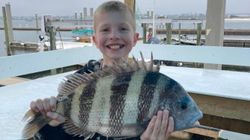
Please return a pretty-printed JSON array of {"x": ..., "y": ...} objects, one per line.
[{"x": 165, "y": 7}]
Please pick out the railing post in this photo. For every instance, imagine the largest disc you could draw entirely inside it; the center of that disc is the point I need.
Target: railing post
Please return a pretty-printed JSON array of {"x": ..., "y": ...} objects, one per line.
[
  {"x": 9, "y": 22},
  {"x": 198, "y": 39},
  {"x": 52, "y": 34},
  {"x": 144, "y": 32},
  {"x": 169, "y": 33},
  {"x": 215, "y": 26},
  {"x": 36, "y": 16},
  {"x": 6, "y": 28},
  {"x": 179, "y": 32}
]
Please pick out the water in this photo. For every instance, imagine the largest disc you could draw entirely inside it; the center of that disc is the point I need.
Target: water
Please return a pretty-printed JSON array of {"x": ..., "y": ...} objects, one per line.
[{"x": 32, "y": 36}]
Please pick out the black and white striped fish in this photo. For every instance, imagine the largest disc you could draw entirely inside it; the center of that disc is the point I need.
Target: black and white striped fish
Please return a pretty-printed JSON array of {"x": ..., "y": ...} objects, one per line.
[{"x": 118, "y": 101}]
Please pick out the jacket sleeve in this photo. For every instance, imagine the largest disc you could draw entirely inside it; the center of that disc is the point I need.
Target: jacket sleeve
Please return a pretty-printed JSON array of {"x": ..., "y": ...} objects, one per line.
[
  {"x": 92, "y": 65},
  {"x": 52, "y": 133}
]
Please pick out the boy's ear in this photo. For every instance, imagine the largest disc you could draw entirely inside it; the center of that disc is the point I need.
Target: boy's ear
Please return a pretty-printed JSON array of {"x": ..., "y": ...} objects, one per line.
[
  {"x": 136, "y": 37},
  {"x": 94, "y": 39}
]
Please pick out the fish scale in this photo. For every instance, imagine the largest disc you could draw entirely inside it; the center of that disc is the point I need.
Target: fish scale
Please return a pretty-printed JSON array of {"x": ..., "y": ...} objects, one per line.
[{"x": 118, "y": 101}]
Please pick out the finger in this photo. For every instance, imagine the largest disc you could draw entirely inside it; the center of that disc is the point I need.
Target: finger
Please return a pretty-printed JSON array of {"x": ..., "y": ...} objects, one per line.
[
  {"x": 151, "y": 125},
  {"x": 164, "y": 123},
  {"x": 147, "y": 133},
  {"x": 33, "y": 106},
  {"x": 52, "y": 103},
  {"x": 170, "y": 127},
  {"x": 46, "y": 105},
  {"x": 56, "y": 118},
  {"x": 157, "y": 125},
  {"x": 39, "y": 104}
]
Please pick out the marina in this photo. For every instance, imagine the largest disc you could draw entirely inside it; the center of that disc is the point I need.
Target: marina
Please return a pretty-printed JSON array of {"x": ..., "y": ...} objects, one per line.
[{"x": 212, "y": 66}]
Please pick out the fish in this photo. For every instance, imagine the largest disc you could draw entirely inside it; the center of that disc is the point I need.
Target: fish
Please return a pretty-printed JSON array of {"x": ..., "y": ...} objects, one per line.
[{"x": 117, "y": 101}]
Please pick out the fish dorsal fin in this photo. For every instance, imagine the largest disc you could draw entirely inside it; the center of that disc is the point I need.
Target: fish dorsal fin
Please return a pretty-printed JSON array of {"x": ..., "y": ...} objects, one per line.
[{"x": 74, "y": 80}]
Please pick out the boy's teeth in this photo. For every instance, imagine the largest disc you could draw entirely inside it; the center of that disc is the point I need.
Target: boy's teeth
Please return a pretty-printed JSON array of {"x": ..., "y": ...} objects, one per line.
[{"x": 114, "y": 46}]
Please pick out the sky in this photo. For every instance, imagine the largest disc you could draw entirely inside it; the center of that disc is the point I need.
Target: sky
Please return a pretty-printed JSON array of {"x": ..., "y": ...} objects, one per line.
[{"x": 162, "y": 7}]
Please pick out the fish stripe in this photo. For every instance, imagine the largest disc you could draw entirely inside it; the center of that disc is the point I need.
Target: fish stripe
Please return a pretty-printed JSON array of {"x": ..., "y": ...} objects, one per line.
[
  {"x": 170, "y": 93},
  {"x": 86, "y": 100},
  {"x": 146, "y": 95},
  {"x": 119, "y": 89},
  {"x": 75, "y": 108},
  {"x": 130, "y": 109},
  {"x": 158, "y": 96},
  {"x": 99, "y": 114}
]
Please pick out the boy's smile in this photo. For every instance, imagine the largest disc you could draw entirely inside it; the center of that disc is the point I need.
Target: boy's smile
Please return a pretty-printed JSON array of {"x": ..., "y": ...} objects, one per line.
[
  {"x": 115, "y": 46},
  {"x": 114, "y": 35}
]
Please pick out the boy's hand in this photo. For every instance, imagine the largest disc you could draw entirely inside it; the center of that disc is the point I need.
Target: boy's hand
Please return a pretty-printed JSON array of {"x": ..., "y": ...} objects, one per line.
[
  {"x": 47, "y": 107},
  {"x": 160, "y": 127}
]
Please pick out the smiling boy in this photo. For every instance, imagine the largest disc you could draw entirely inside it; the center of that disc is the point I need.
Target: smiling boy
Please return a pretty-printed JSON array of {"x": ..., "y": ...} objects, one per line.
[{"x": 114, "y": 36}]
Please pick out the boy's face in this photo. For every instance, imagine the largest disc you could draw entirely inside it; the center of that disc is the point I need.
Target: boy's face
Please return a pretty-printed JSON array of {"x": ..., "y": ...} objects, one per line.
[{"x": 114, "y": 34}]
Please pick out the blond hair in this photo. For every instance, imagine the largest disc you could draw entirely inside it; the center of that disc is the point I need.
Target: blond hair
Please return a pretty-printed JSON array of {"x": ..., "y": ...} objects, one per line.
[{"x": 114, "y": 6}]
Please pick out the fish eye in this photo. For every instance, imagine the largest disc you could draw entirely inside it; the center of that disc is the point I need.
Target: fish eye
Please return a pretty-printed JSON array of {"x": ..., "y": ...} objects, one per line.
[{"x": 183, "y": 105}]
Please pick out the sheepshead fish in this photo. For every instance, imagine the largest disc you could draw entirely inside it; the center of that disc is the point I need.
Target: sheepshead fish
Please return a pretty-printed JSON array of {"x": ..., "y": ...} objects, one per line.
[{"x": 118, "y": 101}]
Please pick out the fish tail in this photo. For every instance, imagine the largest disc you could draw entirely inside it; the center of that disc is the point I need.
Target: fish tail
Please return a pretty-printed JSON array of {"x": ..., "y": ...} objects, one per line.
[{"x": 35, "y": 121}]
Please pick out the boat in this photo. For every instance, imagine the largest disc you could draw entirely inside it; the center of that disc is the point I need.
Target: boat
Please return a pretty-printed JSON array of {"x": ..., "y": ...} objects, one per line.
[{"x": 184, "y": 39}]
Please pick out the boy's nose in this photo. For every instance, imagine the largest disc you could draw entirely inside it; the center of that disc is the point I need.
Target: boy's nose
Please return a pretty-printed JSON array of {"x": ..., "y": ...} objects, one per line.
[{"x": 114, "y": 35}]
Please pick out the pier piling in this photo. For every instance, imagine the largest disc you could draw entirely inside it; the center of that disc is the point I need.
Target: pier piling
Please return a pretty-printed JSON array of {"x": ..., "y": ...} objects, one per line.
[
  {"x": 52, "y": 36},
  {"x": 169, "y": 33},
  {"x": 198, "y": 39},
  {"x": 7, "y": 28},
  {"x": 144, "y": 31},
  {"x": 179, "y": 32},
  {"x": 36, "y": 16}
]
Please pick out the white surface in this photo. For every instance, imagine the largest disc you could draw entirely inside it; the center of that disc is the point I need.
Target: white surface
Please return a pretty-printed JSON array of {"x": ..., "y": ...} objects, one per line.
[
  {"x": 34, "y": 62},
  {"x": 229, "y": 135},
  {"x": 15, "y": 100},
  {"x": 228, "y": 84},
  {"x": 202, "y": 54}
]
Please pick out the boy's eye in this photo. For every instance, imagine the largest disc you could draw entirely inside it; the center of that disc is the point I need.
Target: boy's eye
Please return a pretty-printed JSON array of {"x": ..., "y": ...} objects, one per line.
[
  {"x": 124, "y": 28},
  {"x": 105, "y": 30}
]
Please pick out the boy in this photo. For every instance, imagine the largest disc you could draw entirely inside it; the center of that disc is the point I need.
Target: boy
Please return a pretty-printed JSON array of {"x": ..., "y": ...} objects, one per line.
[{"x": 114, "y": 36}]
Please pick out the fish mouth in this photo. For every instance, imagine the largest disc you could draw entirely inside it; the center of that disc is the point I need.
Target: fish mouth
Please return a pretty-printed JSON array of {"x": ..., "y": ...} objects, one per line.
[
  {"x": 195, "y": 119},
  {"x": 191, "y": 122},
  {"x": 115, "y": 46}
]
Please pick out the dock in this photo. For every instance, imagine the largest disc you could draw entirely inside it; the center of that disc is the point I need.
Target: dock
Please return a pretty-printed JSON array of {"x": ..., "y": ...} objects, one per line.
[
  {"x": 222, "y": 95},
  {"x": 213, "y": 90}
]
